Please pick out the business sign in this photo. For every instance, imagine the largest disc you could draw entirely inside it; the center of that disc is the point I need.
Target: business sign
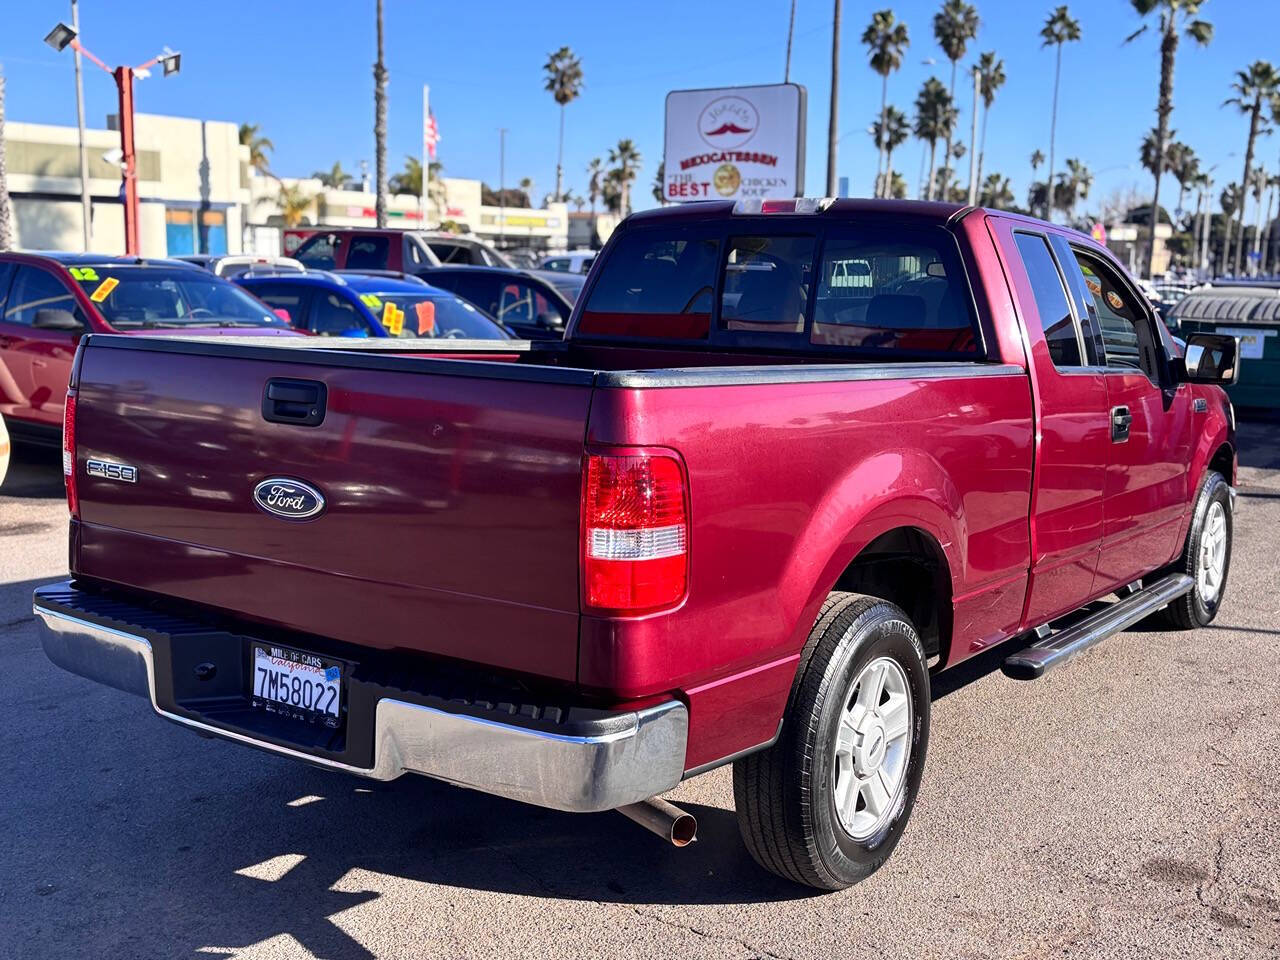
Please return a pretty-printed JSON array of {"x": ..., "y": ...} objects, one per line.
[{"x": 734, "y": 142}]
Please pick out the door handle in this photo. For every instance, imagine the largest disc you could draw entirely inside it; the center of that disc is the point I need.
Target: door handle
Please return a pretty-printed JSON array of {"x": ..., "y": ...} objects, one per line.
[
  {"x": 1121, "y": 420},
  {"x": 298, "y": 402}
]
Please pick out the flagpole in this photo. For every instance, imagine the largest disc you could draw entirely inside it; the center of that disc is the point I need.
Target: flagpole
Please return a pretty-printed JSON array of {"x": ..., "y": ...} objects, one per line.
[{"x": 426, "y": 156}]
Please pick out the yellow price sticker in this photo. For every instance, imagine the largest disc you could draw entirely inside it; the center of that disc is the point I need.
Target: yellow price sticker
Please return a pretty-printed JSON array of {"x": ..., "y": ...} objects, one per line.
[
  {"x": 104, "y": 289},
  {"x": 392, "y": 319}
]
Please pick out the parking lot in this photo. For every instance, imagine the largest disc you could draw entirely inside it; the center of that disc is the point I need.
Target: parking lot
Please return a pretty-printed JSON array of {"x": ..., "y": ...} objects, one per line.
[{"x": 1125, "y": 806}]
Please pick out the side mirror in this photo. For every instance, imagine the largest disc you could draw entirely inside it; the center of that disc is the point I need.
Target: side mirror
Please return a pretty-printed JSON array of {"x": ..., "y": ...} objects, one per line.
[
  {"x": 1212, "y": 358},
  {"x": 53, "y": 319},
  {"x": 550, "y": 321}
]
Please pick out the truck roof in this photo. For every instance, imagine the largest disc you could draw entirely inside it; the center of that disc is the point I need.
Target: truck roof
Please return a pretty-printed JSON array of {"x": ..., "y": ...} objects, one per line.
[{"x": 713, "y": 209}]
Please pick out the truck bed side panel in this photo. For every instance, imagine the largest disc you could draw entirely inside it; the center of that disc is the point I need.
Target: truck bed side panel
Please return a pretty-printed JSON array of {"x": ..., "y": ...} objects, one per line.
[{"x": 788, "y": 481}]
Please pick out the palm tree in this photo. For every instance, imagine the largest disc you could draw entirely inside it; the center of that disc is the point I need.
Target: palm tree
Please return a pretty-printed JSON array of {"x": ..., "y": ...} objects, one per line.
[
  {"x": 410, "y": 179},
  {"x": 1037, "y": 158},
  {"x": 1253, "y": 87},
  {"x": 990, "y": 79},
  {"x": 564, "y": 81},
  {"x": 1173, "y": 14},
  {"x": 334, "y": 178},
  {"x": 834, "y": 115},
  {"x": 6, "y": 210},
  {"x": 1058, "y": 29},
  {"x": 896, "y": 187},
  {"x": 935, "y": 118},
  {"x": 293, "y": 204},
  {"x": 995, "y": 192},
  {"x": 1231, "y": 199},
  {"x": 887, "y": 40},
  {"x": 1185, "y": 167},
  {"x": 953, "y": 27},
  {"x": 258, "y": 147},
  {"x": 659, "y": 184},
  {"x": 1080, "y": 179},
  {"x": 526, "y": 185},
  {"x": 892, "y": 135},
  {"x": 595, "y": 170},
  {"x": 626, "y": 161},
  {"x": 1258, "y": 186},
  {"x": 380, "y": 127}
]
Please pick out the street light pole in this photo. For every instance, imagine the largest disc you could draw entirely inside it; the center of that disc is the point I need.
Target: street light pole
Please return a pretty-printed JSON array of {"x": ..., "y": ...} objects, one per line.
[
  {"x": 502, "y": 186},
  {"x": 63, "y": 36},
  {"x": 86, "y": 210},
  {"x": 973, "y": 141}
]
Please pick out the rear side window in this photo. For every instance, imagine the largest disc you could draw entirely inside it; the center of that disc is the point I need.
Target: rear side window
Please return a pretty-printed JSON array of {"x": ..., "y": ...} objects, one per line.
[
  {"x": 34, "y": 292},
  {"x": 894, "y": 289},
  {"x": 656, "y": 283},
  {"x": 450, "y": 252},
  {"x": 1051, "y": 300},
  {"x": 332, "y": 316},
  {"x": 316, "y": 252},
  {"x": 292, "y": 301},
  {"x": 368, "y": 253}
]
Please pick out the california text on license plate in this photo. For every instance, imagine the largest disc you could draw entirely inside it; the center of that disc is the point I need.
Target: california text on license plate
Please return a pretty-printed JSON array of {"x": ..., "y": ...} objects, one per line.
[{"x": 297, "y": 684}]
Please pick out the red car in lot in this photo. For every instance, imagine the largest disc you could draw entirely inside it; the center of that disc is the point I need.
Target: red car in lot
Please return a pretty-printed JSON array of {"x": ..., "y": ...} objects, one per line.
[
  {"x": 49, "y": 301},
  {"x": 792, "y": 461}
]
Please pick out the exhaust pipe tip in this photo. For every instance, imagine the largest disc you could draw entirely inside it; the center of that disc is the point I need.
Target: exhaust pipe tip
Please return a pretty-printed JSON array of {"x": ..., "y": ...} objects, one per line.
[{"x": 678, "y": 827}]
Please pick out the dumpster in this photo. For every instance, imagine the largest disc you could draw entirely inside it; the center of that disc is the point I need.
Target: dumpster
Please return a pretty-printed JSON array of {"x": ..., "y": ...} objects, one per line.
[{"x": 1251, "y": 313}]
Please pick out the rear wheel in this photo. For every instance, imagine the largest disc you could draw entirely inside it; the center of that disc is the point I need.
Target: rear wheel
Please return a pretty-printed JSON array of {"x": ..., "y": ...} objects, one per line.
[
  {"x": 1206, "y": 558},
  {"x": 826, "y": 804}
]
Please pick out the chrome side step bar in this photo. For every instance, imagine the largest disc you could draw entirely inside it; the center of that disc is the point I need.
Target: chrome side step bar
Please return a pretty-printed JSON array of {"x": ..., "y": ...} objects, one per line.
[{"x": 1032, "y": 662}]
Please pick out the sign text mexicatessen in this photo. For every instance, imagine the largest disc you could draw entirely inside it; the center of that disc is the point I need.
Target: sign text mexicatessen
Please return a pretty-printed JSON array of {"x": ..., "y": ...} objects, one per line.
[{"x": 735, "y": 142}]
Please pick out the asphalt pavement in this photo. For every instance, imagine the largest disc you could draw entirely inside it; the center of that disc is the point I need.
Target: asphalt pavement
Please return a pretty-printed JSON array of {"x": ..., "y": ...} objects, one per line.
[{"x": 1124, "y": 806}]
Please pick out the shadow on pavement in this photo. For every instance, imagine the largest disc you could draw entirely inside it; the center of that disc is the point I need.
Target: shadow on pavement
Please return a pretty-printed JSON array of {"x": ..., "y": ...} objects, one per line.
[{"x": 35, "y": 473}]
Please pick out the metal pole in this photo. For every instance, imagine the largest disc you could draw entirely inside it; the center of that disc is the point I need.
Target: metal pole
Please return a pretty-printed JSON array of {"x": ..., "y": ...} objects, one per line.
[
  {"x": 791, "y": 28},
  {"x": 835, "y": 103},
  {"x": 973, "y": 141},
  {"x": 1257, "y": 224},
  {"x": 124, "y": 84},
  {"x": 502, "y": 185},
  {"x": 86, "y": 210},
  {"x": 1206, "y": 225}
]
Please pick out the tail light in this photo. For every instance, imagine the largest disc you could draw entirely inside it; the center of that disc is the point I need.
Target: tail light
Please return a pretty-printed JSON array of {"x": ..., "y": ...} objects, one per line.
[
  {"x": 69, "y": 454},
  {"x": 635, "y": 533}
]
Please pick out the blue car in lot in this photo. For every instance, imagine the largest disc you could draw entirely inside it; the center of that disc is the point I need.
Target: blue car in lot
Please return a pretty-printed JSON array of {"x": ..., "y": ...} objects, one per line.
[{"x": 329, "y": 304}]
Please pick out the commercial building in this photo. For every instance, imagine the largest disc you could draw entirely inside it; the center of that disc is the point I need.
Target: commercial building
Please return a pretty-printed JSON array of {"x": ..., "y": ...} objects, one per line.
[{"x": 193, "y": 182}]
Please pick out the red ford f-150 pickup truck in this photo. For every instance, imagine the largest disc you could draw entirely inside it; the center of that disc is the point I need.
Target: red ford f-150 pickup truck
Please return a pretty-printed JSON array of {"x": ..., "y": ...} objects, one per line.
[{"x": 793, "y": 459}]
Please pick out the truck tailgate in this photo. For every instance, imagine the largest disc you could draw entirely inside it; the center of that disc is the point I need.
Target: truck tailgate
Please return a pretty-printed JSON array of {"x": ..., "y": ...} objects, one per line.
[{"x": 451, "y": 495}]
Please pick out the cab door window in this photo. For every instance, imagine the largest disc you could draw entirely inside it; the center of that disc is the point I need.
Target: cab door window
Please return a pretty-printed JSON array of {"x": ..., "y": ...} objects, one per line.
[
  {"x": 1056, "y": 318},
  {"x": 1128, "y": 335},
  {"x": 37, "y": 295},
  {"x": 333, "y": 316}
]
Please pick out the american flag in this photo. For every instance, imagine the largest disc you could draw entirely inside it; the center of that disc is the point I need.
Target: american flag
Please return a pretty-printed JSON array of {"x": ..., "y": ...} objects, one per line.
[{"x": 431, "y": 134}]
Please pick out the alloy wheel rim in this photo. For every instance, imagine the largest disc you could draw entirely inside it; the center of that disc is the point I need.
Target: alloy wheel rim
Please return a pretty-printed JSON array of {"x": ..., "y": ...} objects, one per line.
[
  {"x": 1212, "y": 561},
  {"x": 872, "y": 748}
]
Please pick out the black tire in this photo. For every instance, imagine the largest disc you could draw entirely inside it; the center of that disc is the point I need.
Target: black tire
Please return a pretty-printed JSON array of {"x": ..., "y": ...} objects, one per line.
[
  {"x": 1194, "y": 609},
  {"x": 785, "y": 796}
]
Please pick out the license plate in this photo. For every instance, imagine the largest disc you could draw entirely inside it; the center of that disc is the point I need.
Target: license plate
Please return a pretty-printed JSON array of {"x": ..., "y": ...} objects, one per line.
[{"x": 297, "y": 684}]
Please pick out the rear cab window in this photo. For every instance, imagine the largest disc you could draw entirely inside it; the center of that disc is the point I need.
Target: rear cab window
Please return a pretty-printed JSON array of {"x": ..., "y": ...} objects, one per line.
[{"x": 796, "y": 284}]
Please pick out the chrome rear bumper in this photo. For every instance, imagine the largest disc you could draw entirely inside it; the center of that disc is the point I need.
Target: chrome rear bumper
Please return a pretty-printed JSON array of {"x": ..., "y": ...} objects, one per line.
[{"x": 637, "y": 754}]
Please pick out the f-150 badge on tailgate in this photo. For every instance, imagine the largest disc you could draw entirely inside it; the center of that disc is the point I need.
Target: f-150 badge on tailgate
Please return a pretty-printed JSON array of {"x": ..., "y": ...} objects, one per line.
[
  {"x": 288, "y": 499},
  {"x": 107, "y": 470}
]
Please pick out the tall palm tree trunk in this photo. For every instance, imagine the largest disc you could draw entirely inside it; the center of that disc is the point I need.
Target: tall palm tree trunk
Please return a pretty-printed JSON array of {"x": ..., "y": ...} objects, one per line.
[
  {"x": 380, "y": 127},
  {"x": 1053, "y": 135},
  {"x": 982, "y": 144},
  {"x": 1254, "y": 119},
  {"x": 887, "y": 189},
  {"x": 951, "y": 91},
  {"x": 560, "y": 158},
  {"x": 835, "y": 95},
  {"x": 933, "y": 151},
  {"x": 1168, "y": 50},
  {"x": 6, "y": 211},
  {"x": 879, "y": 189}
]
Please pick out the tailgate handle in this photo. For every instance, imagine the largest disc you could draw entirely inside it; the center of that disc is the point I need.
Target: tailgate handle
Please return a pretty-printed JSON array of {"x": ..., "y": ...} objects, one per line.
[{"x": 299, "y": 402}]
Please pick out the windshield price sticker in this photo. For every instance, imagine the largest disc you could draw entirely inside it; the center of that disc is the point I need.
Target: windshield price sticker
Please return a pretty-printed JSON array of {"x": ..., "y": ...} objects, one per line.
[
  {"x": 425, "y": 311},
  {"x": 371, "y": 301},
  {"x": 84, "y": 273},
  {"x": 104, "y": 289},
  {"x": 392, "y": 318}
]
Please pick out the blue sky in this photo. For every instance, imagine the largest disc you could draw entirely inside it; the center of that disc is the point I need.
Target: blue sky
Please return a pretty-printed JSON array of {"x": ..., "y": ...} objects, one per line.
[{"x": 303, "y": 72}]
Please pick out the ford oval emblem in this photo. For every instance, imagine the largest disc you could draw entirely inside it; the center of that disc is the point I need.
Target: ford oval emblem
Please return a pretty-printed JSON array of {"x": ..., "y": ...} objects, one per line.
[{"x": 288, "y": 499}]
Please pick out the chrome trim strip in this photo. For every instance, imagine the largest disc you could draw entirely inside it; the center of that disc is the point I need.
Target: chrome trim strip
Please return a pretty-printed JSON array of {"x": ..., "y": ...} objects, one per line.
[
  {"x": 1031, "y": 663},
  {"x": 805, "y": 373},
  {"x": 573, "y": 773}
]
